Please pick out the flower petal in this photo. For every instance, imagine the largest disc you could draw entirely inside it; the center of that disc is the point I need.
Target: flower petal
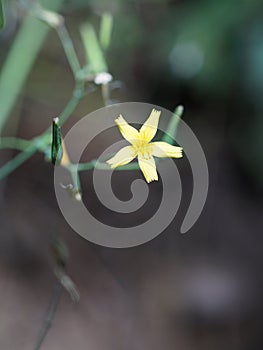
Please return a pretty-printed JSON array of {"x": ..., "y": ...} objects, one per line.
[
  {"x": 65, "y": 161},
  {"x": 127, "y": 131},
  {"x": 164, "y": 149},
  {"x": 149, "y": 128},
  {"x": 124, "y": 156},
  {"x": 148, "y": 168}
]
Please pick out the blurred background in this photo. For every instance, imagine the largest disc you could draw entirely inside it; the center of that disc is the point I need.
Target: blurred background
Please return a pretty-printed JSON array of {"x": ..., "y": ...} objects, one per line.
[{"x": 202, "y": 290}]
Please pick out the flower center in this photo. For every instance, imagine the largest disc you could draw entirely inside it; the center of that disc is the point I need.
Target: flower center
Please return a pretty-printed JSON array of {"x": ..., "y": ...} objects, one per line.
[{"x": 142, "y": 148}]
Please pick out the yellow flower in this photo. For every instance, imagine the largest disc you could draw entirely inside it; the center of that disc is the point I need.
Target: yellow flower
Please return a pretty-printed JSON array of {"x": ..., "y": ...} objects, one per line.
[{"x": 142, "y": 147}]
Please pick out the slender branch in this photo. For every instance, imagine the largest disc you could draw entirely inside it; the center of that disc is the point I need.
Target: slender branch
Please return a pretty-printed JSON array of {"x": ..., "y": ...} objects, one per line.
[
  {"x": 170, "y": 134},
  {"x": 72, "y": 104},
  {"x": 95, "y": 164},
  {"x": 14, "y": 142},
  {"x": 105, "y": 94},
  {"x": 17, "y": 161},
  {"x": 20, "y": 60},
  {"x": 73, "y": 169},
  {"x": 56, "y": 21},
  {"x": 41, "y": 141},
  {"x": 50, "y": 314},
  {"x": 68, "y": 48},
  {"x": 131, "y": 166}
]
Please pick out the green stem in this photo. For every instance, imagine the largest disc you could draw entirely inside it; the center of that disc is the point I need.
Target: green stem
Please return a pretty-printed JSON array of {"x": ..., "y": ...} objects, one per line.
[
  {"x": 94, "y": 54},
  {"x": 72, "y": 104},
  {"x": 170, "y": 135},
  {"x": 20, "y": 59},
  {"x": 94, "y": 164},
  {"x": 15, "y": 143},
  {"x": 50, "y": 314},
  {"x": 73, "y": 169},
  {"x": 68, "y": 48},
  {"x": 105, "y": 94},
  {"x": 17, "y": 161},
  {"x": 40, "y": 142}
]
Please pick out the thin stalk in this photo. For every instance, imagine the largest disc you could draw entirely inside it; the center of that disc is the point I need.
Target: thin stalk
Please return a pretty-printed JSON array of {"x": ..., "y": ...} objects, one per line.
[
  {"x": 94, "y": 164},
  {"x": 20, "y": 60},
  {"x": 72, "y": 104},
  {"x": 50, "y": 314},
  {"x": 14, "y": 142},
  {"x": 73, "y": 169},
  {"x": 68, "y": 48},
  {"x": 105, "y": 93},
  {"x": 41, "y": 141},
  {"x": 17, "y": 161},
  {"x": 170, "y": 135}
]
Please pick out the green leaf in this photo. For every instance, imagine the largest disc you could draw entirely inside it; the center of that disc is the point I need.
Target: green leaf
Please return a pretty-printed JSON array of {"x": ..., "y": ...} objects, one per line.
[
  {"x": 173, "y": 124},
  {"x": 94, "y": 55},
  {"x": 106, "y": 30},
  {"x": 56, "y": 147}
]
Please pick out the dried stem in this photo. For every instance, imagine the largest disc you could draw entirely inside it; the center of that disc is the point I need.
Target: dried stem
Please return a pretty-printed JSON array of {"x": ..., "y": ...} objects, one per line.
[{"x": 50, "y": 314}]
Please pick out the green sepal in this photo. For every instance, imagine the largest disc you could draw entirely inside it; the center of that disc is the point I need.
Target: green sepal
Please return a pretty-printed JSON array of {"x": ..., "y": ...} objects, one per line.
[{"x": 56, "y": 147}]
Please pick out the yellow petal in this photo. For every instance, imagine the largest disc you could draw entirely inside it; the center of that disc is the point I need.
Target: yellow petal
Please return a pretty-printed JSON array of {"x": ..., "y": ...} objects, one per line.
[
  {"x": 65, "y": 161},
  {"x": 149, "y": 128},
  {"x": 127, "y": 131},
  {"x": 124, "y": 156},
  {"x": 148, "y": 168},
  {"x": 164, "y": 149}
]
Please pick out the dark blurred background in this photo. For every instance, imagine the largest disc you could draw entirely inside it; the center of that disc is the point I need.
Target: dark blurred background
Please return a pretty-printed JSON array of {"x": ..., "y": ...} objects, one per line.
[{"x": 202, "y": 290}]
